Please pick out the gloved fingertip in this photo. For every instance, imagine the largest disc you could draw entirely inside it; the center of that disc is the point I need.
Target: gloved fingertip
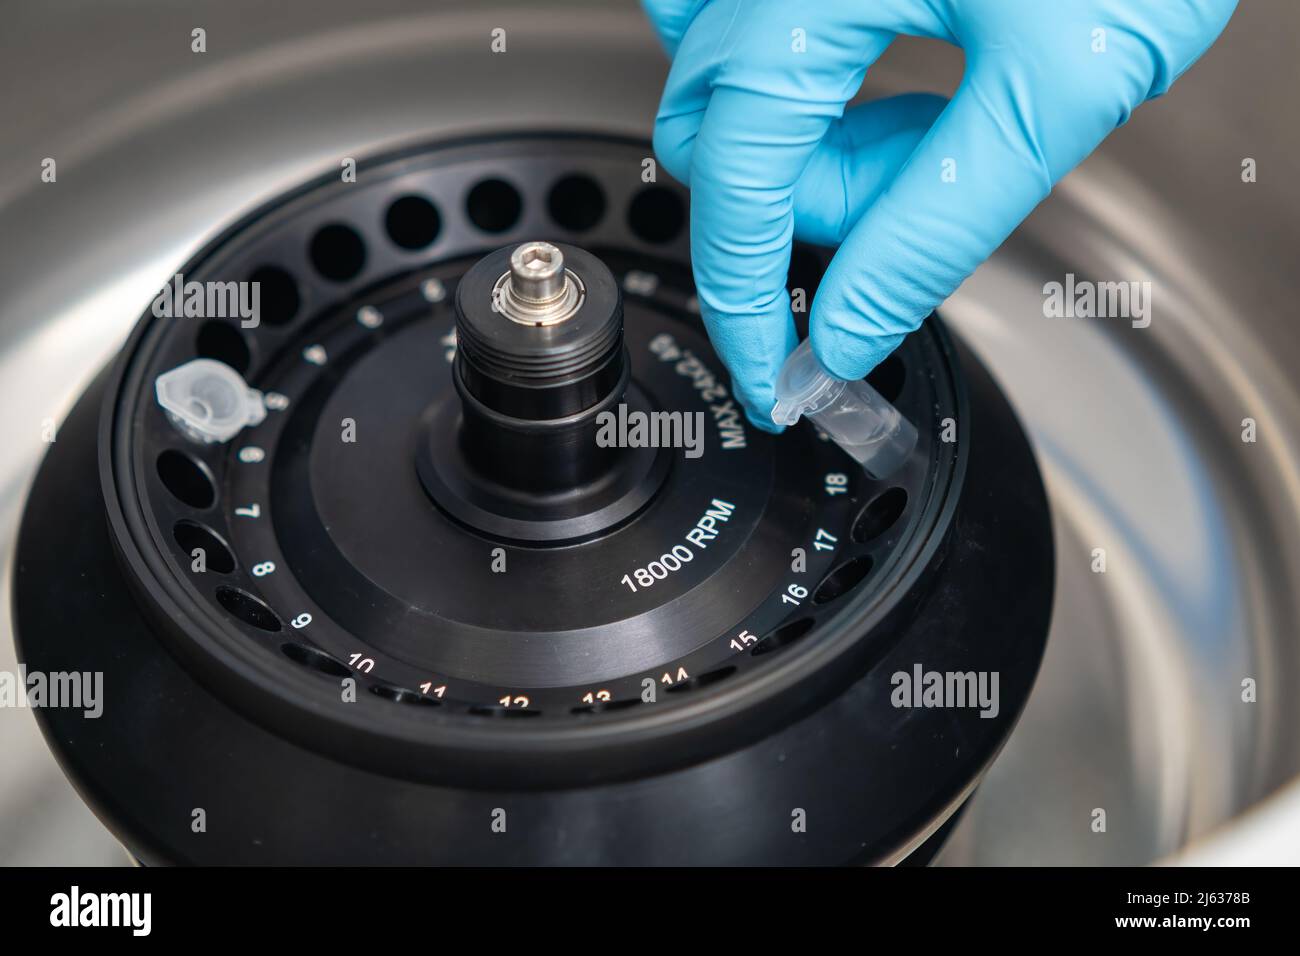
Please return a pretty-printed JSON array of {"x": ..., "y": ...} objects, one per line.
[
  {"x": 851, "y": 357},
  {"x": 764, "y": 422},
  {"x": 847, "y": 364},
  {"x": 758, "y": 409}
]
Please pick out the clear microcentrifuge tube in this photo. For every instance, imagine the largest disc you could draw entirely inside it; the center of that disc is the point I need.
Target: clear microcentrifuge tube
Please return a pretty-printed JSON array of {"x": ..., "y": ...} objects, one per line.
[
  {"x": 208, "y": 401},
  {"x": 853, "y": 414}
]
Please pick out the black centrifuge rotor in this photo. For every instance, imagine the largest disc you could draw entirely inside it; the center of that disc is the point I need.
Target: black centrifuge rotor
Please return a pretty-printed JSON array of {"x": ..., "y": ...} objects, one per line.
[{"x": 355, "y": 559}]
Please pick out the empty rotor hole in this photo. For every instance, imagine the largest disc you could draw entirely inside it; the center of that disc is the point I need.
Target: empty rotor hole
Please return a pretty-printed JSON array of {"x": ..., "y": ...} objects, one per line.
[
  {"x": 316, "y": 660},
  {"x": 222, "y": 342},
  {"x": 843, "y": 579},
  {"x": 277, "y": 295},
  {"x": 704, "y": 680},
  {"x": 247, "y": 608},
  {"x": 337, "y": 252},
  {"x": 401, "y": 695},
  {"x": 576, "y": 203},
  {"x": 412, "y": 222},
  {"x": 657, "y": 214},
  {"x": 189, "y": 481},
  {"x": 493, "y": 205},
  {"x": 783, "y": 637},
  {"x": 879, "y": 515},
  {"x": 606, "y": 706},
  {"x": 482, "y": 711},
  {"x": 192, "y": 536},
  {"x": 887, "y": 378}
]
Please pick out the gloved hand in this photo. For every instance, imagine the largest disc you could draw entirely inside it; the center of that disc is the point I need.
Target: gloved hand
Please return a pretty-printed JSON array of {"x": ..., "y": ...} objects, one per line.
[{"x": 917, "y": 191}]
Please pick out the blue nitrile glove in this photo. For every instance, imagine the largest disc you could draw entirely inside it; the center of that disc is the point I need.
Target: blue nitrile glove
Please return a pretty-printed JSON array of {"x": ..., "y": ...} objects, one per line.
[{"x": 917, "y": 191}]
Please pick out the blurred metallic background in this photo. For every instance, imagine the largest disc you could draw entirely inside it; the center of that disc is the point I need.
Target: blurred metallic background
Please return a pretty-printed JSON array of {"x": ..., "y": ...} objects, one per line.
[{"x": 1138, "y": 709}]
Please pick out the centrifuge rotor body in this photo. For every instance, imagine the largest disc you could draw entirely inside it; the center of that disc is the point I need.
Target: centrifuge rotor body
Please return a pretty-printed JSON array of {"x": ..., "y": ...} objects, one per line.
[{"x": 436, "y": 623}]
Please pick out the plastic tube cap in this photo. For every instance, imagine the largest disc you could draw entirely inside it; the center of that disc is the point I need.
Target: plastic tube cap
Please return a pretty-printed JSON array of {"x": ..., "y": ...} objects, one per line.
[
  {"x": 803, "y": 387},
  {"x": 853, "y": 414},
  {"x": 208, "y": 401}
]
